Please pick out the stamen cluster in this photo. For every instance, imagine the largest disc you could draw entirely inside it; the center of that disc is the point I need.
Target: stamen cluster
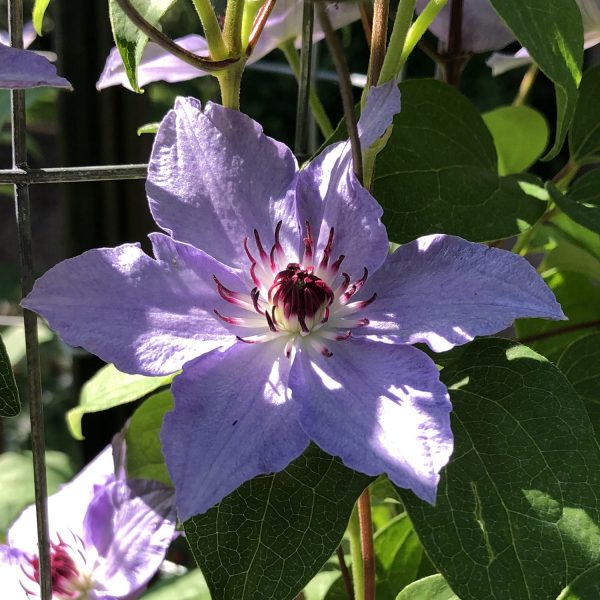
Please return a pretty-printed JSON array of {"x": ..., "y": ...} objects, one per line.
[
  {"x": 66, "y": 562},
  {"x": 305, "y": 298}
]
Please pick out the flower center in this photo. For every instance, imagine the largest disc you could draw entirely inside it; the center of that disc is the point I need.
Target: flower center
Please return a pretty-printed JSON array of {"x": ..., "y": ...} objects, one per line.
[
  {"x": 67, "y": 581},
  {"x": 308, "y": 298},
  {"x": 299, "y": 294}
]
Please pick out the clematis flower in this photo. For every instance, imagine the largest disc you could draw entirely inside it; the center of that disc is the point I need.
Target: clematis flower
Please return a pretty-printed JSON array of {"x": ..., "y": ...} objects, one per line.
[
  {"x": 590, "y": 14},
  {"x": 108, "y": 537},
  {"x": 25, "y": 69},
  {"x": 284, "y": 23},
  {"x": 482, "y": 29},
  {"x": 274, "y": 290}
]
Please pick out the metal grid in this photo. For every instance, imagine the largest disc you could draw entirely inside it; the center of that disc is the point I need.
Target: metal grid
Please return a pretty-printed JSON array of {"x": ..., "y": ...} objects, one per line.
[{"x": 21, "y": 177}]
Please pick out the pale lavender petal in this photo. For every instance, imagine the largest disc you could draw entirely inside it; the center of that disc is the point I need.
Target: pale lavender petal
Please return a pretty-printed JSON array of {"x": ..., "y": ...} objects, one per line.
[
  {"x": 20, "y": 69},
  {"x": 329, "y": 195},
  {"x": 499, "y": 62},
  {"x": 29, "y": 35},
  {"x": 146, "y": 316},
  {"x": 11, "y": 574},
  {"x": 285, "y": 23},
  {"x": 380, "y": 408},
  {"x": 590, "y": 13},
  {"x": 214, "y": 177},
  {"x": 130, "y": 526},
  {"x": 233, "y": 420},
  {"x": 156, "y": 65},
  {"x": 444, "y": 291},
  {"x": 482, "y": 28},
  {"x": 67, "y": 507}
]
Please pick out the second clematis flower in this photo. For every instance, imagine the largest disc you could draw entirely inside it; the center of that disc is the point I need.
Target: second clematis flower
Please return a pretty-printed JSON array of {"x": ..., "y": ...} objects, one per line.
[
  {"x": 107, "y": 538},
  {"x": 275, "y": 292}
]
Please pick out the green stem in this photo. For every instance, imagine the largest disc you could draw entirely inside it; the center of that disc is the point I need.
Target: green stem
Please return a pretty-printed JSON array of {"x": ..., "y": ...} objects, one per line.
[
  {"x": 232, "y": 33},
  {"x": 358, "y": 574},
  {"x": 316, "y": 107},
  {"x": 230, "y": 81},
  {"x": 212, "y": 31},
  {"x": 526, "y": 85},
  {"x": 392, "y": 63},
  {"x": 419, "y": 27},
  {"x": 251, "y": 9}
]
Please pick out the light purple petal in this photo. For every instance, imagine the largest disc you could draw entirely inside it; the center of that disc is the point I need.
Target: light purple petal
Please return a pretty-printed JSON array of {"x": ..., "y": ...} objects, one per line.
[
  {"x": 21, "y": 69},
  {"x": 444, "y": 291},
  {"x": 214, "y": 177},
  {"x": 146, "y": 316},
  {"x": 329, "y": 195},
  {"x": 130, "y": 526},
  {"x": 11, "y": 575},
  {"x": 285, "y": 23},
  {"x": 499, "y": 62},
  {"x": 67, "y": 507},
  {"x": 380, "y": 408},
  {"x": 482, "y": 28},
  {"x": 233, "y": 420},
  {"x": 156, "y": 65},
  {"x": 29, "y": 35}
]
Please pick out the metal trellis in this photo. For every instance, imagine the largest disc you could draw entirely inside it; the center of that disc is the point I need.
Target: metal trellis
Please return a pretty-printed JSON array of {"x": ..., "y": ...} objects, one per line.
[{"x": 21, "y": 177}]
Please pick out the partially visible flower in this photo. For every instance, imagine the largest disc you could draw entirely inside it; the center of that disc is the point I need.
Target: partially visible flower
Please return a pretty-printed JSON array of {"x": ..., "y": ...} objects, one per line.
[
  {"x": 590, "y": 14},
  {"x": 275, "y": 291},
  {"x": 108, "y": 537},
  {"x": 25, "y": 69},
  {"x": 284, "y": 23},
  {"x": 482, "y": 29},
  {"x": 29, "y": 35}
]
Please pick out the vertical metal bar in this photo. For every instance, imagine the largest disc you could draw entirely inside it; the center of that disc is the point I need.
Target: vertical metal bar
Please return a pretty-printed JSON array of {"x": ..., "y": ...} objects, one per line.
[
  {"x": 308, "y": 19},
  {"x": 19, "y": 152}
]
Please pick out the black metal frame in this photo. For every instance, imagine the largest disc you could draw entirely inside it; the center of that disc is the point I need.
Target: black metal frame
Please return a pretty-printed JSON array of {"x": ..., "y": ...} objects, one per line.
[{"x": 22, "y": 176}]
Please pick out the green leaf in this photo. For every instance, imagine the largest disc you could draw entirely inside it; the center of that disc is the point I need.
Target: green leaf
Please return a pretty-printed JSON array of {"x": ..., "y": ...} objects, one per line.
[
  {"x": 271, "y": 536},
  {"x": 148, "y": 128},
  {"x": 555, "y": 44},
  {"x": 129, "y": 40},
  {"x": 520, "y": 135},
  {"x": 518, "y": 508},
  {"x": 10, "y": 406},
  {"x": 14, "y": 340},
  {"x": 579, "y": 297},
  {"x": 16, "y": 482},
  {"x": 144, "y": 454},
  {"x": 582, "y": 201},
  {"x": 398, "y": 555},
  {"x": 585, "y": 587},
  {"x": 109, "y": 388},
  {"x": 434, "y": 587},
  {"x": 39, "y": 10},
  {"x": 580, "y": 363},
  {"x": 438, "y": 172},
  {"x": 584, "y": 137},
  {"x": 191, "y": 586}
]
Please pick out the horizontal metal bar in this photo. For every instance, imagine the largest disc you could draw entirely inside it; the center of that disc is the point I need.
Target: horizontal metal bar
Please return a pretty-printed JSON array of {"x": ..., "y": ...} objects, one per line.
[{"x": 73, "y": 174}]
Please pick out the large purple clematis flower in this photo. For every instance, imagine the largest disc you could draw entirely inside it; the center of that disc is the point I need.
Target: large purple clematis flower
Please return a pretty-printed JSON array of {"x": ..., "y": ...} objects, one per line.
[
  {"x": 482, "y": 28},
  {"x": 284, "y": 23},
  {"x": 108, "y": 538},
  {"x": 276, "y": 293},
  {"x": 20, "y": 69}
]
